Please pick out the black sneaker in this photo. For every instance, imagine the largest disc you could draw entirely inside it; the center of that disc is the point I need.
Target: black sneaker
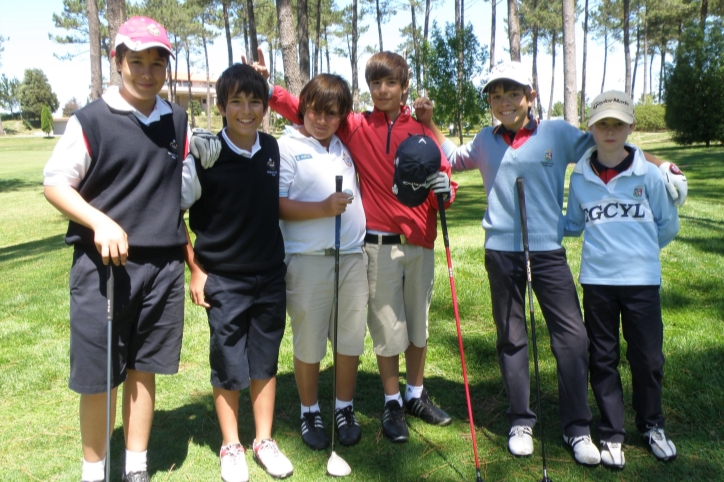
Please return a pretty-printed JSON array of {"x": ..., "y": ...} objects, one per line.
[
  {"x": 313, "y": 433},
  {"x": 348, "y": 429},
  {"x": 427, "y": 411},
  {"x": 393, "y": 423},
  {"x": 141, "y": 476}
]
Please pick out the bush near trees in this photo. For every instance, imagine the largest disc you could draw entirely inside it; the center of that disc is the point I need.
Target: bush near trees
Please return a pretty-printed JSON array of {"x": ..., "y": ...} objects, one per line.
[
  {"x": 694, "y": 93},
  {"x": 35, "y": 92},
  {"x": 650, "y": 116},
  {"x": 71, "y": 106},
  {"x": 46, "y": 120}
]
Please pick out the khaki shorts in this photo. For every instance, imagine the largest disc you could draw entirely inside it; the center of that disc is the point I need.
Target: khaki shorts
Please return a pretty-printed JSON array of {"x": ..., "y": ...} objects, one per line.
[
  {"x": 310, "y": 304},
  {"x": 400, "y": 280}
]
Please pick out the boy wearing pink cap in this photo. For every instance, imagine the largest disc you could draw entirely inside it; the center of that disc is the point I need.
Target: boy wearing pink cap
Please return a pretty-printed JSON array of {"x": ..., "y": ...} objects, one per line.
[{"x": 116, "y": 175}]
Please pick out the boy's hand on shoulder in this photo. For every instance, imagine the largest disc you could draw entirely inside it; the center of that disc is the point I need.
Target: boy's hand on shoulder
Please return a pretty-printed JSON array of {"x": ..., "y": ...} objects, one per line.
[
  {"x": 259, "y": 66},
  {"x": 423, "y": 110},
  {"x": 111, "y": 241},
  {"x": 675, "y": 182},
  {"x": 205, "y": 147},
  {"x": 439, "y": 183},
  {"x": 197, "y": 284},
  {"x": 337, "y": 203}
]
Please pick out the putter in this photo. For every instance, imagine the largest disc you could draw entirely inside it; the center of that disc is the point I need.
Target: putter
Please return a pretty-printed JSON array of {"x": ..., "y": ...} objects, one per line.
[
  {"x": 443, "y": 223},
  {"x": 524, "y": 227},
  {"x": 336, "y": 465},
  {"x": 110, "y": 288}
]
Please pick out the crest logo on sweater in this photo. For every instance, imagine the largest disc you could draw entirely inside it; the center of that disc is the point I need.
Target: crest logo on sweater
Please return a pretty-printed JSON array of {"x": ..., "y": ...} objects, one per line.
[
  {"x": 347, "y": 160},
  {"x": 548, "y": 159},
  {"x": 173, "y": 149},
  {"x": 271, "y": 165},
  {"x": 638, "y": 191}
]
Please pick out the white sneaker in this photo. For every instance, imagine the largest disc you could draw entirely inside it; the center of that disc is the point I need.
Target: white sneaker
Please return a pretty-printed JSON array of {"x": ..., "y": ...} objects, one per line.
[
  {"x": 271, "y": 459},
  {"x": 662, "y": 448},
  {"x": 233, "y": 464},
  {"x": 612, "y": 455},
  {"x": 520, "y": 440},
  {"x": 584, "y": 450}
]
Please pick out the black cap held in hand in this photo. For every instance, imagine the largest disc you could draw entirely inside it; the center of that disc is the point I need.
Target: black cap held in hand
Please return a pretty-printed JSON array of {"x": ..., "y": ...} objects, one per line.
[{"x": 417, "y": 158}]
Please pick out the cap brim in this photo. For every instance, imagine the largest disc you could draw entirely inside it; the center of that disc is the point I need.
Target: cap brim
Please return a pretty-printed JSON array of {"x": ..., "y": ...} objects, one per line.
[{"x": 611, "y": 114}]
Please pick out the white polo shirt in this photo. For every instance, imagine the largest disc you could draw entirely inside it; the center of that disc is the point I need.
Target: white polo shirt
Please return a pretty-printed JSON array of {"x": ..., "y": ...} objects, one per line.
[{"x": 307, "y": 174}]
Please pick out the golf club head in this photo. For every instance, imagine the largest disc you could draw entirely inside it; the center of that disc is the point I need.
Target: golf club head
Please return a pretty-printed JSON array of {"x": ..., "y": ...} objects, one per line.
[
  {"x": 546, "y": 479},
  {"x": 337, "y": 467}
]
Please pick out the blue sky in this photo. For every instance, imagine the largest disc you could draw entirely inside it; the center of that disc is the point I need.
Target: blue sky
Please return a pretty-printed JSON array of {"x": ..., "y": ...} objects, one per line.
[{"x": 26, "y": 23}]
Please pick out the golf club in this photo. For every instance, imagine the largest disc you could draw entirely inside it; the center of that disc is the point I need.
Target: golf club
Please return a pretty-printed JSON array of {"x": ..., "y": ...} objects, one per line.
[
  {"x": 443, "y": 222},
  {"x": 110, "y": 288},
  {"x": 336, "y": 466},
  {"x": 524, "y": 227}
]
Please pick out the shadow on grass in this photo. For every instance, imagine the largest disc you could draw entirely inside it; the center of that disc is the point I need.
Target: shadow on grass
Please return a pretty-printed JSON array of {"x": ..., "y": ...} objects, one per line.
[
  {"x": 32, "y": 248},
  {"x": 8, "y": 185}
]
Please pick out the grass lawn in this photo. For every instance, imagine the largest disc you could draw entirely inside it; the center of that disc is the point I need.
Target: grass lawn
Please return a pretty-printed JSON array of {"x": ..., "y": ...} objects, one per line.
[{"x": 39, "y": 432}]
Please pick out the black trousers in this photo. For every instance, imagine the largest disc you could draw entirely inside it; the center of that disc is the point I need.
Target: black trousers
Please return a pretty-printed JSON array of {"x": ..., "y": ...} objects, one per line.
[
  {"x": 556, "y": 293},
  {"x": 639, "y": 310}
]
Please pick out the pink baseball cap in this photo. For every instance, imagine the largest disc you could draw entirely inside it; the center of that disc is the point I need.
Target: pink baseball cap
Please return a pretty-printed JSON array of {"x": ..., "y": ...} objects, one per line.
[{"x": 141, "y": 33}]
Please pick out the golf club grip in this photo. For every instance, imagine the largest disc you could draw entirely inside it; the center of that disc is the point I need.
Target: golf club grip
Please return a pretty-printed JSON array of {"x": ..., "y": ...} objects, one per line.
[
  {"x": 520, "y": 184},
  {"x": 110, "y": 289},
  {"x": 443, "y": 220}
]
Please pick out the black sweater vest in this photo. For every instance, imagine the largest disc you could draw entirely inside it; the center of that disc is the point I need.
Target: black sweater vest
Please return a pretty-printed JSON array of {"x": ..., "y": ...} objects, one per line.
[
  {"x": 236, "y": 219},
  {"x": 134, "y": 175}
]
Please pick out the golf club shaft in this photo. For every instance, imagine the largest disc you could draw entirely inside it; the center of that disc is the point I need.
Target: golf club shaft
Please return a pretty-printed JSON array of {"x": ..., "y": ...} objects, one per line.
[
  {"x": 446, "y": 240},
  {"x": 337, "y": 230},
  {"x": 110, "y": 289},
  {"x": 520, "y": 184}
]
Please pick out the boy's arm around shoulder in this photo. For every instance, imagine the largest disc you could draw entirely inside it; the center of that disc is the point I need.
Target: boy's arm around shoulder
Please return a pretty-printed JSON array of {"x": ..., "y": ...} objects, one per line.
[
  {"x": 197, "y": 281},
  {"x": 662, "y": 206},
  {"x": 443, "y": 185},
  {"x": 575, "y": 217}
]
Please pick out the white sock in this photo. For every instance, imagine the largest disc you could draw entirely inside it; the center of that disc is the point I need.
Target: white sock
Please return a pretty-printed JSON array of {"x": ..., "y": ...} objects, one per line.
[
  {"x": 397, "y": 397},
  {"x": 413, "y": 392},
  {"x": 135, "y": 461},
  {"x": 93, "y": 471},
  {"x": 312, "y": 408},
  {"x": 339, "y": 404}
]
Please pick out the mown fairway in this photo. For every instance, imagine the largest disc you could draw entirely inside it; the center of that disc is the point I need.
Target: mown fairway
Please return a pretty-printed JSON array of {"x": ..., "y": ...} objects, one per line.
[{"x": 39, "y": 432}]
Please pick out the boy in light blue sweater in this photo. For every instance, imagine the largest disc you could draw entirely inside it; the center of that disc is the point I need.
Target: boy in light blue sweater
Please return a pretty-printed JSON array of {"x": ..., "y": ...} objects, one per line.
[{"x": 620, "y": 201}]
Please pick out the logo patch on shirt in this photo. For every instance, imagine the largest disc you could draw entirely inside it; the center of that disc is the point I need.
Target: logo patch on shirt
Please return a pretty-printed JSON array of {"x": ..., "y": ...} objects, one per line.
[
  {"x": 302, "y": 157},
  {"x": 272, "y": 167},
  {"x": 638, "y": 191},
  {"x": 347, "y": 160},
  {"x": 548, "y": 159},
  {"x": 173, "y": 150}
]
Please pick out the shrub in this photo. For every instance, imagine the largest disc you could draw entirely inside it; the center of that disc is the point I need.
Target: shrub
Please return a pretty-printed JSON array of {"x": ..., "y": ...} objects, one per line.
[
  {"x": 46, "y": 120},
  {"x": 650, "y": 117}
]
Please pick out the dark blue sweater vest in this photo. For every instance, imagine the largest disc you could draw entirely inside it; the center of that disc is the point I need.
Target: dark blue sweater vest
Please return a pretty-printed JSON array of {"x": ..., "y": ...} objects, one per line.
[
  {"x": 236, "y": 219},
  {"x": 134, "y": 175}
]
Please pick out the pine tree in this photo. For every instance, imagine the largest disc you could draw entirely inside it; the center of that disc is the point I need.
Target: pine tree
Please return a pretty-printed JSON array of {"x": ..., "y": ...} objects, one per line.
[{"x": 46, "y": 120}]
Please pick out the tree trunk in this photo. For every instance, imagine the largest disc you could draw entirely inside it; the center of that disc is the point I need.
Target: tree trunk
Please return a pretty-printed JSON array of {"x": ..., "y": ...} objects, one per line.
[
  {"x": 514, "y": 30},
  {"x": 253, "y": 41},
  {"x": 646, "y": 52},
  {"x": 227, "y": 30},
  {"x": 626, "y": 42},
  {"x": 175, "y": 66},
  {"x": 570, "y": 96},
  {"x": 553, "y": 74},
  {"x": 535, "y": 68},
  {"x": 115, "y": 16},
  {"x": 288, "y": 41},
  {"x": 208, "y": 80},
  {"x": 355, "y": 73},
  {"x": 379, "y": 23},
  {"x": 582, "y": 115},
  {"x": 317, "y": 54},
  {"x": 426, "y": 29},
  {"x": 326, "y": 43},
  {"x": 636, "y": 63},
  {"x": 662, "y": 70},
  {"x": 493, "y": 21},
  {"x": 188, "y": 72},
  {"x": 303, "y": 39},
  {"x": 703, "y": 14},
  {"x": 416, "y": 45},
  {"x": 2, "y": 131},
  {"x": 245, "y": 26},
  {"x": 605, "y": 58},
  {"x": 94, "y": 39}
]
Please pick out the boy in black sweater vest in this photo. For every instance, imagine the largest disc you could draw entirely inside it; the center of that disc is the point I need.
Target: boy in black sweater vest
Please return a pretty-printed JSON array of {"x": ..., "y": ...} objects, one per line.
[
  {"x": 237, "y": 268},
  {"x": 116, "y": 174}
]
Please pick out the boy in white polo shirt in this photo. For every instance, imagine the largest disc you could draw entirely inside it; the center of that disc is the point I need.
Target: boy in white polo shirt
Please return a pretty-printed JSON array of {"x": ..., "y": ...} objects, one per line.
[
  {"x": 311, "y": 157},
  {"x": 621, "y": 202}
]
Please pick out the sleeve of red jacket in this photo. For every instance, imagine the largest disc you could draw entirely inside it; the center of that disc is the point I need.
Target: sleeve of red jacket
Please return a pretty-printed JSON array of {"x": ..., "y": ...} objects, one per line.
[{"x": 444, "y": 167}]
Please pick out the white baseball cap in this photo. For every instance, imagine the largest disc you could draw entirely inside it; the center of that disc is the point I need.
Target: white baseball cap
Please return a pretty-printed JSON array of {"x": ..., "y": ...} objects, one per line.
[
  {"x": 614, "y": 104},
  {"x": 510, "y": 71}
]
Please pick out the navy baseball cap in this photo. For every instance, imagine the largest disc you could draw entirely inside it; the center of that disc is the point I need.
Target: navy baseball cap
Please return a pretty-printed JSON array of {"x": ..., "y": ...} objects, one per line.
[{"x": 417, "y": 158}]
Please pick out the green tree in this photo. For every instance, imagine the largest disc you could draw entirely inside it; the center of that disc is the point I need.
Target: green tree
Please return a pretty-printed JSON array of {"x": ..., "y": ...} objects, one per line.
[
  {"x": 46, "y": 120},
  {"x": 71, "y": 106},
  {"x": 35, "y": 92},
  {"x": 440, "y": 56},
  {"x": 694, "y": 86},
  {"x": 9, "y": 94}
]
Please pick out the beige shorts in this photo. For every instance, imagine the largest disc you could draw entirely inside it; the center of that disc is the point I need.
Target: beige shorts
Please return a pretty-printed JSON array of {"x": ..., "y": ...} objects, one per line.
[
  {"x": 310, "y": 304},
  {"x": 400, "y": 280}
]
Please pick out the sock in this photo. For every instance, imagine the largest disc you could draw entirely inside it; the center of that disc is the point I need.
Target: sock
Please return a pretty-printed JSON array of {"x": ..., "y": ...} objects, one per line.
[
  {"x": 93, "y": 471},
  {"x": 413, "y": 392},
  {"x": 312, "y": 408},
  {"x": 339, "y": 404},
  {"x": 135, "y": 461},
  {"x": 397, "y": 397}
]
